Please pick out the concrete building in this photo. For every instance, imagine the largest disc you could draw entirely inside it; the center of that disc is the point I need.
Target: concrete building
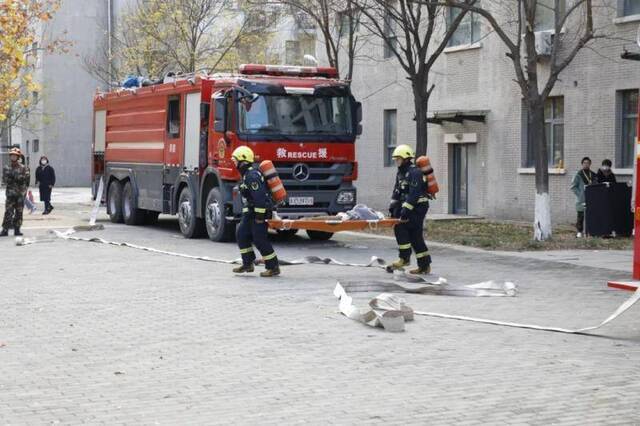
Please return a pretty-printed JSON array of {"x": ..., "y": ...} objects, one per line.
[
  {"x": 484, "y": 167},
  {"x": 61, "y": 127}
]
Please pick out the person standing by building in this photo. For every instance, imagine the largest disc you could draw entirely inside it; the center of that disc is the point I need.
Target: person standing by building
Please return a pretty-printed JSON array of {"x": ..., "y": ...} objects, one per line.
[
  {"x": 46, "y": 180},
  {"x": 16, "y": 177},
  {"x": 409, "y": 202},
  {"x": 580, "y": 181},
  {"x": 256, "y": 207},
  {"x": 605, "y": 174}
]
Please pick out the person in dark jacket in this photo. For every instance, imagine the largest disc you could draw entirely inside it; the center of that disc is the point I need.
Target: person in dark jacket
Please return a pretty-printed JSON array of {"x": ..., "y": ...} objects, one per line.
[
  {"x": 410, "y": 204},
  {"x": 46, "y": 180},
  {"x": 256, "y": 208},
  {"x": 605, "y": 174},
  {"x": 581, "y": 180}
]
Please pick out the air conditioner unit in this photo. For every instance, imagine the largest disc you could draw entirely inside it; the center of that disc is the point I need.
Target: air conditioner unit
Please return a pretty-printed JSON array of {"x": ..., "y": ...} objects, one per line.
[{"x": 544, "y": 42}]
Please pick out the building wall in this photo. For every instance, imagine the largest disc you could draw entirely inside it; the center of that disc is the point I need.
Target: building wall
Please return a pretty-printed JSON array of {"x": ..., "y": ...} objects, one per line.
[
  {"x": 482, "y": 79},
  {"x": 62, "y": 121},
  {"x": 66, "y": 139}
]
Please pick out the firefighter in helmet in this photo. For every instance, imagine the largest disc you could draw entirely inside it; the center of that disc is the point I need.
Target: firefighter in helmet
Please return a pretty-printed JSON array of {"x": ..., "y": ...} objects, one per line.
[
  {"x": 16, "y": 177},
  {"x": 256, "y": 208},
  {"x": 410, "y": 203}
]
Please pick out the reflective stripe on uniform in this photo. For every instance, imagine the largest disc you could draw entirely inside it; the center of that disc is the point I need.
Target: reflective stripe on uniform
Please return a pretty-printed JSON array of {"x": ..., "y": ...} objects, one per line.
[
  {"x": 245, "y": 209},
  {"x": 271, "y": 256},
  {"x": 421, "y": 255},
  {"x": 407, "y": 206},
  {"x": 404, "y": 246},
  {"x": 422, "y": 200},
  {"x": 259, "y": 210},
  {"x": 246, "y": 250}
]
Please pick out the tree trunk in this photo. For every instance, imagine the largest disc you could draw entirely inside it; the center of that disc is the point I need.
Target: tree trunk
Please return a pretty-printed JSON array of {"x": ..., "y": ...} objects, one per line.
[
  {"x": 421, "y": 102},
  {"x": 536, "y": 135}
]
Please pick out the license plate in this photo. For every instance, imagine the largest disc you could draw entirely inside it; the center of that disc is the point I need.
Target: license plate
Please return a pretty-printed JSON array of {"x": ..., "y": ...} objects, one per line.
[{"x": 301, "y": 201}]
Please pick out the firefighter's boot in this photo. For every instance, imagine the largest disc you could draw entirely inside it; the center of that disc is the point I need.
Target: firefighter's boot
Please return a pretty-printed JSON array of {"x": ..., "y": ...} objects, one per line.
[
  {"x": 4, "y": 232},
  {"x": 271, "y": 272},
  {"x": 421, "y": 270},
  {"x": 398, "y": 265},
  {"x": 242, "y": 269},
  {"x": 16, "y": 232}
]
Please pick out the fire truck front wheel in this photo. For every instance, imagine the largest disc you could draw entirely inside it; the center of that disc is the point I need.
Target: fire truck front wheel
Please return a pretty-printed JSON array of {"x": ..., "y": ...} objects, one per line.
[
  {"x": 219, "y": 228},
  {"x": 114, "y": 200},
  {"x": 190, "y": 225},
  {"x": 319, "y": 235}
]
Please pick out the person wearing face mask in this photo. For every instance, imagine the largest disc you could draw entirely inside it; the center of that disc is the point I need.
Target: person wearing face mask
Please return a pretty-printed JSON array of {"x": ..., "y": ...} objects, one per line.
[
  {"x": 605, "y": 174},
  {"x": 580, "y": 181},
  {"x": 410, "y": 204},
  {"x": 45, "y": 179}
]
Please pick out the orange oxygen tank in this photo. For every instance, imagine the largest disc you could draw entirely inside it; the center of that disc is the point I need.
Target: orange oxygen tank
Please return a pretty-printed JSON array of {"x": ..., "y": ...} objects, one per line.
[
  {"x": 424, "y": 164},
  {"x": 278, "y": 193}
]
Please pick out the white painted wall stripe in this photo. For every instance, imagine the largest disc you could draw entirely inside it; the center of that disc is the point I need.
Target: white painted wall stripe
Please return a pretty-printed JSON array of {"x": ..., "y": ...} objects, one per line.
[{"x": 135, "y": 145}]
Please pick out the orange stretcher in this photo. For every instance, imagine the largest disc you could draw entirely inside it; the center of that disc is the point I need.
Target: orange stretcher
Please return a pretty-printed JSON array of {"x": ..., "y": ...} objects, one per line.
[{"x": 331, "y": 225}]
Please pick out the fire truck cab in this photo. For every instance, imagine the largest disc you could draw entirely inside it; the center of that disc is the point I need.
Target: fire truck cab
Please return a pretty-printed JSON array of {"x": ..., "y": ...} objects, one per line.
[{"x": 166, "y": 148}]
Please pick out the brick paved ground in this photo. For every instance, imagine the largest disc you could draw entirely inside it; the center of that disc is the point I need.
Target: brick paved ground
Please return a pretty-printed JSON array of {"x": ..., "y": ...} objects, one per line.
[{"x": 100, "y": 334}]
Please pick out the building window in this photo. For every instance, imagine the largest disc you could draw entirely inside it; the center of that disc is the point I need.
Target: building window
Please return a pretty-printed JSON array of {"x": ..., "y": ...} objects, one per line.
[
  {"x": 346, "y": 20},
  {"x": 36, "y": 145},
  {"x": 627, "y": 122},
  {"x": 554, "y": 130},
  {"x": 390, "y": 135},
  {"x": 292, "y": 52},
  {"x": 545, "y": 14},
  {"x": 468, "y": 32},
  {"x": 391, "y": 38},
  {"x": 554, "y": 134},
  {"x": 628, "y": 7},
  {"x": 173, "y": 117}
]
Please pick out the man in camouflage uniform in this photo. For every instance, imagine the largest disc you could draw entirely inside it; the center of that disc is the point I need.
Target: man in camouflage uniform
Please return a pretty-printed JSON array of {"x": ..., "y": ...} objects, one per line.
[{"x": 16, "y": 177}]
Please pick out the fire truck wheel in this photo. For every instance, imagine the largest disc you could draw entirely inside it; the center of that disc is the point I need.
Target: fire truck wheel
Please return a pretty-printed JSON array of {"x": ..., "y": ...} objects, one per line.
[
  {"x": 114, "y": 200},
  {"x": 286, "y": 233},
  {"x": 151, "y": 217},
  {"x": 319, "y": 235},
  {"x": 131, "y": 214},
  {"x": 218, "y": 227},
  {"x": 190, "y": 225}
]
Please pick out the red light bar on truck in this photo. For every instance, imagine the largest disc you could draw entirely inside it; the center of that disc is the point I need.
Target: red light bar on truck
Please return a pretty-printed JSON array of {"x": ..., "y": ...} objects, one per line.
[{"x": 253, "y": 69}]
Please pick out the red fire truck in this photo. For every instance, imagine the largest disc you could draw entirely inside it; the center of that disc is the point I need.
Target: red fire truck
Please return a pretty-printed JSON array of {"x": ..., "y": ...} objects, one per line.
[{"x": 166, "y": 148}]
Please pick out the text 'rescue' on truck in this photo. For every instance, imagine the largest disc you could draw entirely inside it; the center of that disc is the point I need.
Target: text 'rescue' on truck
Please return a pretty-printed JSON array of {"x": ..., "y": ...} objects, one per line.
[{"x": 166, "y": 148}]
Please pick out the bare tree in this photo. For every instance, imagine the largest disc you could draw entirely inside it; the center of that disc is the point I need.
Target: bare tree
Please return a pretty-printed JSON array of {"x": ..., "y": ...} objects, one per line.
[
  {"x": 183, "y": 36},
  {"x": 518, "y": 23},
  {"x": 337, "y": 21},
  {"x": 415, "y": 34}
]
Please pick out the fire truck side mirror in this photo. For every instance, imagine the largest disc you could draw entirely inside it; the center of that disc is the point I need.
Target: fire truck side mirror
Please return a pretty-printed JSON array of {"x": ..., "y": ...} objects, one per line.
[
  {"x": 220, "y": 114},
  {"x": 358, "y": 112}
]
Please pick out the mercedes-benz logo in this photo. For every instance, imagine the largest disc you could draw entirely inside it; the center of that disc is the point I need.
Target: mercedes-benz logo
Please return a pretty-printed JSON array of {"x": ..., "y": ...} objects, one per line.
[{"x": 301, "y": 172}]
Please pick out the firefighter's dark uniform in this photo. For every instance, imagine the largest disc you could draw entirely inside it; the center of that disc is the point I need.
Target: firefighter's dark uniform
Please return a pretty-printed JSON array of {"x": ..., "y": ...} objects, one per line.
[
  {"x": 410, "y": 202},
  {"x": 256, "y": 207}
]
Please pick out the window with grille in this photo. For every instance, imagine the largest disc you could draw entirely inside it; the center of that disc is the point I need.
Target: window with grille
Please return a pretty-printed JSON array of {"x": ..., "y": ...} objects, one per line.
[
  {"x": 627, "y": 130},
  {"x": 390, "y": 135}
]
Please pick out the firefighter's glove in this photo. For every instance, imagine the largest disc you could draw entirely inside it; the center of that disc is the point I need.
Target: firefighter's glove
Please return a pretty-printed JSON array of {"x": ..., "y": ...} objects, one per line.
[
  {"x": 392, "y": 208},
  {"x": 431, "y": 196}
]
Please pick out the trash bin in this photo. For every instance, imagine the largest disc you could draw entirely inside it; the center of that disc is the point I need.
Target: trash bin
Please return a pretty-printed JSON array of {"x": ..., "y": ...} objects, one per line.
[{"x": 608, "y": 210}]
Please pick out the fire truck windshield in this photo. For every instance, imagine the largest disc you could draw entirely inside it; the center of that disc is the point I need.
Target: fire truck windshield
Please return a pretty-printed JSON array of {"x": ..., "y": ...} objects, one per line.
[{"x": 296, "y": 115}]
